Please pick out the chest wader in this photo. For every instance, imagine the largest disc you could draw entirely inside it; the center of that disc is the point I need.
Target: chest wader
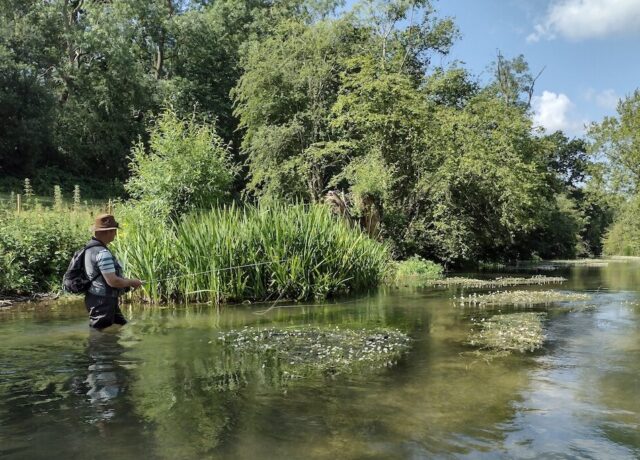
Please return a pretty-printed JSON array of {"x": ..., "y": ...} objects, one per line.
[{"x": 104, "y": 310}]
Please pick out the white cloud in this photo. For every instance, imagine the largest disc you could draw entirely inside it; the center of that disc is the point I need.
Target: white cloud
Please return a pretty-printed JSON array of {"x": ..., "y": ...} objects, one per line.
[
  {"x": 582, "y": 19},
  {"x": 555, "y": 112},
  {"x": 607, "y": 99}
]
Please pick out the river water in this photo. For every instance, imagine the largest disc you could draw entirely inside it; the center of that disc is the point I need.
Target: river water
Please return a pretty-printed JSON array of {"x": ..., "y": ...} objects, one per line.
[{"x": 160, "y": 387}]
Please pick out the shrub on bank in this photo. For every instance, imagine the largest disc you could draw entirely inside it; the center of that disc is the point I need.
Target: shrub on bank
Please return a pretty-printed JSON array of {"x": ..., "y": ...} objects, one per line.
[
  {"x": 417, "y": 267},
  {"x": 623, "y": 237},
  {"x": 36, "y": 246},
  {"x": 254, "y": 253}
]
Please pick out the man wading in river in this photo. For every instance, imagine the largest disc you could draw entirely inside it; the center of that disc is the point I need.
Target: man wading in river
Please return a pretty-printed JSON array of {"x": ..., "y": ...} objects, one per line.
[{"x": 105, "y": 273}]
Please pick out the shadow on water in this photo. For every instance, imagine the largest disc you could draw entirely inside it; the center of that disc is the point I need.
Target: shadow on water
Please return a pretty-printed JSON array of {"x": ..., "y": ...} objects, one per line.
[{"x": 164, "y": 386}]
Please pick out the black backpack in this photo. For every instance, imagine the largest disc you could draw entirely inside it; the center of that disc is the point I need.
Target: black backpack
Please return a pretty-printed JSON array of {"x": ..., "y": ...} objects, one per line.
[{"x": 75, "y": 279}]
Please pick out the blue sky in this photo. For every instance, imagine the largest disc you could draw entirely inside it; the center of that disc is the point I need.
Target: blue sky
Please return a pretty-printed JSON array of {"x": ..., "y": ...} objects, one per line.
[{"x": 589, "y": 49}]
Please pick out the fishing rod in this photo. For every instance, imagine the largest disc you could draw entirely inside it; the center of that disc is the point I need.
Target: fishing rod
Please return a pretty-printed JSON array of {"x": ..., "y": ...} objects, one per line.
[{"x": 220, "y": 270}]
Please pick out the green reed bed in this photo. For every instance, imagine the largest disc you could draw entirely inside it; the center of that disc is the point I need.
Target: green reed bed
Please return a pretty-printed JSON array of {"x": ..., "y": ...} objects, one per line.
[{"x": 253, "y": 253}]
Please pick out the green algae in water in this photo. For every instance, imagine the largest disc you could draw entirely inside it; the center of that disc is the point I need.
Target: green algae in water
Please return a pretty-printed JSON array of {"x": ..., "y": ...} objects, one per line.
[
  {"x": 521, "y": 298},
  {"x": 304, "y": 352},
  {"x": 519, "y": 332},
  {"x": 498, "y": 282}
]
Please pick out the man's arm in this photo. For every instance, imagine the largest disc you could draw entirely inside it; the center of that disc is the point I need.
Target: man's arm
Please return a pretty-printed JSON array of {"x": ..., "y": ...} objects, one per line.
[
  {"x": 115, "y": 281},
  {"x": 106, "y": 265}
]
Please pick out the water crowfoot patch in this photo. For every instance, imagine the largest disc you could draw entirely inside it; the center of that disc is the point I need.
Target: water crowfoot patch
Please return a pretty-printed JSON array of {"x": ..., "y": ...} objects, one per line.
[
  {"x": 521, "y": 298},
  {"x": 302, "y": 352},
  {"x": 592, "y": 263},
  {"x": 497, "y": 282},
  {"x": 519, "y": 332}
]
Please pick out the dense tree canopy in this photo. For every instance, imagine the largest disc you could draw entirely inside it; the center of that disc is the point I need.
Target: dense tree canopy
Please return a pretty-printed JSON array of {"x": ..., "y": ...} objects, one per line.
[
  {"x": 616, "y": 143},
  {"x": 303, "y": 98}
]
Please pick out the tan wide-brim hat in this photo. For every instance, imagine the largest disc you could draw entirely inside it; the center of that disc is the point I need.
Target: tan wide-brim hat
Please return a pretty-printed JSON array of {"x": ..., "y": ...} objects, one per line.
[{"x": 105, "y": 222}]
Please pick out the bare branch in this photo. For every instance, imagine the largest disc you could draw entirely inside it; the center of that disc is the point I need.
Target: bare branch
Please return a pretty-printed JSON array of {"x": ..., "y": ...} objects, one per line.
[
  {"x": 406, "y": 53},
  {"x": 531, "y": 87}
]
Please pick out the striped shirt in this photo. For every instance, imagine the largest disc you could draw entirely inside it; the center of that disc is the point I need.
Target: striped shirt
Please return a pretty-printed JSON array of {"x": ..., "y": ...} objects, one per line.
[
  {"x": 105, "y": 261},
  {"x": 100, "y": 260}
]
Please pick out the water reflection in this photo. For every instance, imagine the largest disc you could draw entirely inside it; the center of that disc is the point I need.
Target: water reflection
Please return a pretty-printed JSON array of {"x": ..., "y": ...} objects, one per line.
[
  {"x": 106, "y": 378},
  {"x": 164, "y": 388},
  {"x": 64, "y": 391}
]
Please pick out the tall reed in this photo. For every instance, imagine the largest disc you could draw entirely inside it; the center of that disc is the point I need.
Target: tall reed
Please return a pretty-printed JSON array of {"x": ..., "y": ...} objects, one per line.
[{"x": 253, "y": 253}]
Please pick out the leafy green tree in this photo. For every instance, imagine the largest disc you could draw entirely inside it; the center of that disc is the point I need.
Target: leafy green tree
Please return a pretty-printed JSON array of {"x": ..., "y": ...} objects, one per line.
[
  {"x": 598, "y": 206},
  {"x": 83, "y": 56},
  {"x": 569, "y": 160},
  {"x": 490, "y": 184},
  {"x": 462, "y": 180},
  {"x": 283, "y": 103},
  {"x": 577, "y": 178},
  {"x": 623, "y": 237},
  {"x": 405, "y": 34},
  {"x": 451, "y": 87},
  {"x": 103, "y": 89},
  {"x": 186, "y": 166},
  {"x": 558, "y": 234},
  {"x": 616, "y": 145},
  {"x": 513, "y": 81},
  {"x": 204, "y": 63},
  {"x": 26, "y": 117},
  {"x": 617, "y": 139}
]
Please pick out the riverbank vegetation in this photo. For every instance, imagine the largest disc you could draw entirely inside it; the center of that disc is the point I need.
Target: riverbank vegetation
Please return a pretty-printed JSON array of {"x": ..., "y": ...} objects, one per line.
[
  {"x": 416, "y": 270},
  {"x": 198, "y": 113},
  {"x": 36, "y": 242},
  {"x": 252, "y": 253},
  {"x": 616, "y": 142}
]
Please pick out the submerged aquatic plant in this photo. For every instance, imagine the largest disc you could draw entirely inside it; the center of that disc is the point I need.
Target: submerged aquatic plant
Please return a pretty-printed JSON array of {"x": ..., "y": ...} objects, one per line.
[
  {"x": 302, "y": 352},
  {"x": 519, "y": 332},
  {"x": 521, "y": 298},
  {"x": 528, "y": 266},
  {"x": 498, "y": 282},
  {"x": 593, "y": 263}
]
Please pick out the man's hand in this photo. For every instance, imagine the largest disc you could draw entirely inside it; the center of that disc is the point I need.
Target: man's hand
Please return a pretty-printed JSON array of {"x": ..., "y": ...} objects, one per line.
[{"x": 135, "y": 283}]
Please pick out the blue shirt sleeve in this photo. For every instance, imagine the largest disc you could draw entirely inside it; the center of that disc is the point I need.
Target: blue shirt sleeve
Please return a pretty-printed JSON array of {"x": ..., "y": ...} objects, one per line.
[{"x": 105, "y": 262}]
